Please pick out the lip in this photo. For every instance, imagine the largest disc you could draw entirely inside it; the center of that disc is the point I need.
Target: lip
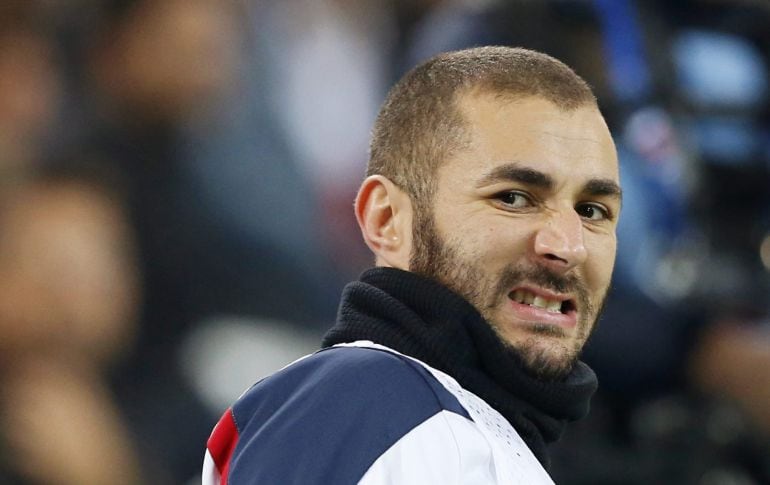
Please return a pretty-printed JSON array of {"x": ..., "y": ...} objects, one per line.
[{"x": 533, "y": 315}]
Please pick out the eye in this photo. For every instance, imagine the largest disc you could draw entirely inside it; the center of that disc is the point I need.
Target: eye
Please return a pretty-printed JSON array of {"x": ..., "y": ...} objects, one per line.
[
  {"x": 592, "y": 212},
  {"x": 514, "y": 200}
]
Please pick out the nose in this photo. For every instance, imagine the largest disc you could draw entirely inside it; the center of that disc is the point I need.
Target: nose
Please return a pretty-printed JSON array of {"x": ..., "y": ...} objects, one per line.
[{"x": 559, "y": 242}]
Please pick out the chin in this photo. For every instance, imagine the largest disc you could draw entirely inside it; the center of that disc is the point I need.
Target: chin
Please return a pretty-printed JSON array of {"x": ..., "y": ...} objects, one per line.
[{"x": 545, "y": 357}]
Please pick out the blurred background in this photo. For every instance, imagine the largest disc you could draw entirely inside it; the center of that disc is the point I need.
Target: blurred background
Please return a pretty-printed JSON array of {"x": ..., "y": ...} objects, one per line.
[{"x": 176, "y": 188}]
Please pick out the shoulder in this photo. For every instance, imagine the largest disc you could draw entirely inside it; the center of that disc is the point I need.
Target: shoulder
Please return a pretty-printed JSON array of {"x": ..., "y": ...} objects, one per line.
[
  {"x": 332, "y": 414},
  {"x": 348, "y": 377}
]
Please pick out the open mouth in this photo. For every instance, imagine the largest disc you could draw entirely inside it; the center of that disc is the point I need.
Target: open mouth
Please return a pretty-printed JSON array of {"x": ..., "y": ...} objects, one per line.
[{"x": 550, "y": 305}]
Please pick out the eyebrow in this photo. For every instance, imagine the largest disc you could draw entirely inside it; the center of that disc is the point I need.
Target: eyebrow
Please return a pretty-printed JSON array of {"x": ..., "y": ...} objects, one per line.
[
  {"x": 515, "y": 172},
  {"x": 603, "y": 187}
]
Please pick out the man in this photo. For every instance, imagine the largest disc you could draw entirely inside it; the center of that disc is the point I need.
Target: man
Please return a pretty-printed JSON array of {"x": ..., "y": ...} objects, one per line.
[{"x": 490, "y": 205}]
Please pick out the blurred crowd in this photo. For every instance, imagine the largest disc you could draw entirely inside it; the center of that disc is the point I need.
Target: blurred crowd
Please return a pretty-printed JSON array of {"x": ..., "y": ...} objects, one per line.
[{"x": 176, "y": 191}]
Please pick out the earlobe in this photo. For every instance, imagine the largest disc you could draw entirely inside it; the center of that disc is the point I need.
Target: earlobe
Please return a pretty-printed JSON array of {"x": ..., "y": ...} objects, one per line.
[{"x": 383, "y": 212}]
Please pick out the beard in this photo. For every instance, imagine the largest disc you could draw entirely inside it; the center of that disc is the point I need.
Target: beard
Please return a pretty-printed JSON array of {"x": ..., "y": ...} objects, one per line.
[{"x": 545, "y": 353}]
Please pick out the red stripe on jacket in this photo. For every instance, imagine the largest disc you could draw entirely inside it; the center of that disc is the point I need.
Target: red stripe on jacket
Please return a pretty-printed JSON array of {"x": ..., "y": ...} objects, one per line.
[{"x": 221, "y": 443}]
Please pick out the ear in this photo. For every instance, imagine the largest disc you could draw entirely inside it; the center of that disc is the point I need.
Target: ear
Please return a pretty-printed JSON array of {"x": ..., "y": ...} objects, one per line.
[{"x": 384, "y": 214}]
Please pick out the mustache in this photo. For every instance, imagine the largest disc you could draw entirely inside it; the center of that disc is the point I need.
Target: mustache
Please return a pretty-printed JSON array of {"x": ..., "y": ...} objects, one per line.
[{"x": 545, "y": 278}]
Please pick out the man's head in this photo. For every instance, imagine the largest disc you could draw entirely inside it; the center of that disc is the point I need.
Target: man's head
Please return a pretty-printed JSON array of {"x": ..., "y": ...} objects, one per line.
[{"x": 493, "y": 172}]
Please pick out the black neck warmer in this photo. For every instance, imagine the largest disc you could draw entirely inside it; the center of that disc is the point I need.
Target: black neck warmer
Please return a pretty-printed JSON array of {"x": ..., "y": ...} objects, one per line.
[{"x": 425, "y": 320}]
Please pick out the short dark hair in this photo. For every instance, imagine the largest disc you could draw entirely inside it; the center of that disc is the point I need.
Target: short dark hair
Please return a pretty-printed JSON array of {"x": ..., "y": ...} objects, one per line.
[{"x": 420, "y": 125}]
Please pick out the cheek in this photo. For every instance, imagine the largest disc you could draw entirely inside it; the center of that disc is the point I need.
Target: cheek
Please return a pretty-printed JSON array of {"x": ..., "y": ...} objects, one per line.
[
  {"x": 496, "y": 245},
  {"x": 601, "y": 260}
]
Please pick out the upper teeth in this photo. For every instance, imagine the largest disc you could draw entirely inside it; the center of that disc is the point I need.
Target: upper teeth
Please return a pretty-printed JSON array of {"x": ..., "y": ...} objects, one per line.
[{"x": 523, "y": 296}]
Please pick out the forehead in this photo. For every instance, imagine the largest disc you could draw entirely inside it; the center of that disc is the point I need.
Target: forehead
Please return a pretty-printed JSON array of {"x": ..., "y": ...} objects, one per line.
[{"x": 568, "y": 145}]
